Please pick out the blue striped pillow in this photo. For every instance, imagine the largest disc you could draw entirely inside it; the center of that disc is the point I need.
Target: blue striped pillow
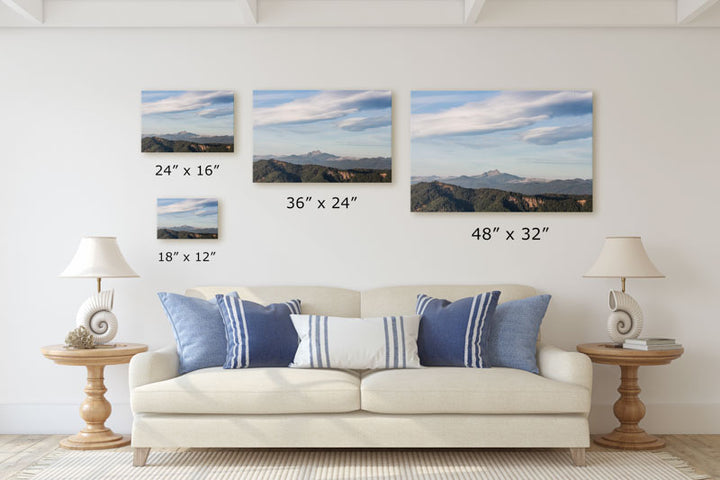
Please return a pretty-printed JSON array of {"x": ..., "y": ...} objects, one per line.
[
  {"x": 257, "y": 335},
  {"x": 454, "y": 334},
  {"x": 356, "y": 343}
]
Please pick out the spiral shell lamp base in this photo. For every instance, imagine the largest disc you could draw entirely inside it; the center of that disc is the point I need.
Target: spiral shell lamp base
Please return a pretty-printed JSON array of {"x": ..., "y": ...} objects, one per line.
[
  {"x": 626, "y": 319},
  {"x": 96, "y": 315}
]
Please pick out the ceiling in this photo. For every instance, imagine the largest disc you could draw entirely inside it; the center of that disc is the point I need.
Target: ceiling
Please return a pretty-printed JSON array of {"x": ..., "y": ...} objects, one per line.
[{"x": 359, "y": 13}]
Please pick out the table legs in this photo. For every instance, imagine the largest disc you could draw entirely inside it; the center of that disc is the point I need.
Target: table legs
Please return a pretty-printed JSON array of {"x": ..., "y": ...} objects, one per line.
[
  {"x": 95, "y": 409},
  {"x": 629, "y": 410}
]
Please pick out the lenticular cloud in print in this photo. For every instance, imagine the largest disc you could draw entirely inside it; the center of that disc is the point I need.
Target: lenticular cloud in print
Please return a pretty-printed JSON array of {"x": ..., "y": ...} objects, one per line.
[
  {"x": 502, "y": 151},
  {"x": 187, "y": 218},
  {"x": 322, "y": 136},
  {"x": 194, "y": 121}
]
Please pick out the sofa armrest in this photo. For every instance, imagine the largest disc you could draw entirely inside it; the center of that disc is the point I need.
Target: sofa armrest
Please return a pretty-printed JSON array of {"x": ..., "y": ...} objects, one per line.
[
  {"x": 151, "y": 367},
  {"x": 569, "y": 367}
]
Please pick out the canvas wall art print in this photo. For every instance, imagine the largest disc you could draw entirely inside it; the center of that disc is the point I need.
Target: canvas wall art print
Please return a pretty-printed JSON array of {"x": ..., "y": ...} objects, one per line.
[
  {"x": 187, "y": 218},
  {"x": 191, "y": 121},
  {"x": 502, "y": 151},
  {"x": 318, "y": 136}
]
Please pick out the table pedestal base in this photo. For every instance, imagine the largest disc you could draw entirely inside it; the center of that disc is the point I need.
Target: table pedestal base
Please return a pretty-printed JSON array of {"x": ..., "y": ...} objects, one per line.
[
  {"x": 95, "y": 409},
  {"x": 630, "y": 441},
  {"x": 629, "y": 410},
  {"x": 83, "y": 441}
]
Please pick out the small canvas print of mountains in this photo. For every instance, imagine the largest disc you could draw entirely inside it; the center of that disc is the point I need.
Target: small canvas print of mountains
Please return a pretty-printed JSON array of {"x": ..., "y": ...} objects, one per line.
[
  {"x": 322, "y": 136},
  {"x": 188, "y": 121},
  {"x": 187, "y": 218},
  {"x": 497, "y": 151}
]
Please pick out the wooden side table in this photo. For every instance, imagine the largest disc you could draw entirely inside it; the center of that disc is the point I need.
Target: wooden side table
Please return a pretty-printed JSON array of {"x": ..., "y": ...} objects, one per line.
[
  {"x": 629, "y": 410},
  {"x": 95, "y": 409}
]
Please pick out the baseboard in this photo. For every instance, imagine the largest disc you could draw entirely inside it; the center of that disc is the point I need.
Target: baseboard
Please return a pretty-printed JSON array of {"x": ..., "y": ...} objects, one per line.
[
  {"x": 37, "y": 418},
  {"x": 669, "y": 418},
  {"x": 65, "y": 419}
]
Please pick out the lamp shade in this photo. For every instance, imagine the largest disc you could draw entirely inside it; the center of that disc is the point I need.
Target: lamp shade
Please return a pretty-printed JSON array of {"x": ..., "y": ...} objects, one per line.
[
  {"x": 623, "y": 257},
  {"x": 98, "y": 257}
]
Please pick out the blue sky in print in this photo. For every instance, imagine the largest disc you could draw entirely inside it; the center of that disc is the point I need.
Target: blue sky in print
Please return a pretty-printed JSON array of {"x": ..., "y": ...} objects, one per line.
[
  {"x": 539, "y": 134},
  {"x": 203, "y": 112},
  {"x": 347, "y": 123},
  {"x": 193, "y": 212}
]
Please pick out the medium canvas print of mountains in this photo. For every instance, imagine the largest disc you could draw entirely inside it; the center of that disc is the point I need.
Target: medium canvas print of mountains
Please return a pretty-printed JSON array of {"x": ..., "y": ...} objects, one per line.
[
  {"x": 502, "y": 151},
  {"x": 321, "y": 136},
  {"x": 187, "y": 218},
  {"x": 192, "y": 121}
]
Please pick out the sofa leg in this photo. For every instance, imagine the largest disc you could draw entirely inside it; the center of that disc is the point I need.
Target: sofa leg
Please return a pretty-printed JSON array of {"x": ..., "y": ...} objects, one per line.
[
  {"x": 578, "y": 456},
  {"x": 140, "y": 456}
]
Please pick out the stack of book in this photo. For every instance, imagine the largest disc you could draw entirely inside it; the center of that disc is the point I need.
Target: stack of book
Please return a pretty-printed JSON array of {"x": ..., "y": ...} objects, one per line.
[{"x": 651, "y": 344}]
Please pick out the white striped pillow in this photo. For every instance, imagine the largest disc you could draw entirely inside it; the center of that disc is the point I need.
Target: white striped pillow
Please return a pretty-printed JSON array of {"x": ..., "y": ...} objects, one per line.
[{"x": 356, "y": 343}]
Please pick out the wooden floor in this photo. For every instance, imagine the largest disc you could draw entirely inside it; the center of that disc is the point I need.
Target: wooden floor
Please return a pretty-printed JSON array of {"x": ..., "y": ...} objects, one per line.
[{"x": 20, "y": 451}]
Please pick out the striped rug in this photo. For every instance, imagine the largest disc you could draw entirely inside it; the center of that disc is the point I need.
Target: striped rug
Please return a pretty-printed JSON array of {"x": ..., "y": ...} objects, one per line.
[{"x": 357, "y": 464}]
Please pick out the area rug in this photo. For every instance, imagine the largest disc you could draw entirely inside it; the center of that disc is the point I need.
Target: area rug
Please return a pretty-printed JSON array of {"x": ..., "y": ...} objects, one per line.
[{"x": 356, "y": 464}]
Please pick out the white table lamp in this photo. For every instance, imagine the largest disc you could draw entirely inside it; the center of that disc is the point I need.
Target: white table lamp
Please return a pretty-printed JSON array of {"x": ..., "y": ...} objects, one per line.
[
  {"x": 98, "y": 257},
  {"x": 623, "y": 257}
]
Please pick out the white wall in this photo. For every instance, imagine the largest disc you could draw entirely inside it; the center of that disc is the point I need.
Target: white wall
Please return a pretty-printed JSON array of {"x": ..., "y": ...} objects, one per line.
[{"x": 70, "y": 166}]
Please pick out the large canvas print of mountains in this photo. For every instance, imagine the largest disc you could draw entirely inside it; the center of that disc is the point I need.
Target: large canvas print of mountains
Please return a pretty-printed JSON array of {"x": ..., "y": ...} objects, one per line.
[
  {"x": 321, "y": 167},
  {"x": 187, "y": 142},
  {"x": 187, "y": 232},
  {"x": 495, "y": 191}
]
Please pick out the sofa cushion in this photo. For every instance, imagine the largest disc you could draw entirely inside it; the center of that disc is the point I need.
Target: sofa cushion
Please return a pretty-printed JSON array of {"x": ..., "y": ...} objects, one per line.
[
  {"x": 340, "y": 302},
  {"x": 403, "y": 299},
  {"x": 469, "y": 390},
  {"x": 257, "y": 335},
  {"x": 357, "y": 343},
  {"x": 454, "y": 334},
  {"x": 251, "y": 391},
  {"x": 198, "y": 329},
  {"x": 513, "y": 333}
]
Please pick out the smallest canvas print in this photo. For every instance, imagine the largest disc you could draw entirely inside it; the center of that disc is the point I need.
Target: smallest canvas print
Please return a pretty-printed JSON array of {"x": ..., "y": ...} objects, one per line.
[{"x": 187, "y": 218}]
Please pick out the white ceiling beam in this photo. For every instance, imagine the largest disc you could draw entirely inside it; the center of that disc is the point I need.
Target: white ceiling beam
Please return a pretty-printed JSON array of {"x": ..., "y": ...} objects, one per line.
[
  {"x": 472, "y": 10},
  {"x": 689, "y": 10},
  {"x": 578, "y": 13},
  {"x": 147, "y": 13},
  {"x": 360, "y": 13},
  {"x": 30, "y": 9},
  {"x": 250, "y": 10}
]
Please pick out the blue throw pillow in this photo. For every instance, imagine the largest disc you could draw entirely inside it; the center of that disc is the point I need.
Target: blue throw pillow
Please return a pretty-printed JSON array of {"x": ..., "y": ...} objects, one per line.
[
  {"x": 514, "y": 332},
  {"x": 455, "y": 334},
  {"x": 258, "y": 336},
  {"x": 199, "y": 331}
]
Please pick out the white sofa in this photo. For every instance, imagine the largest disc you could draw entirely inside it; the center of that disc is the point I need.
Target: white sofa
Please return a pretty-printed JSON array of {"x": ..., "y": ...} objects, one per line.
[{"x": 434, "y": 407}]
